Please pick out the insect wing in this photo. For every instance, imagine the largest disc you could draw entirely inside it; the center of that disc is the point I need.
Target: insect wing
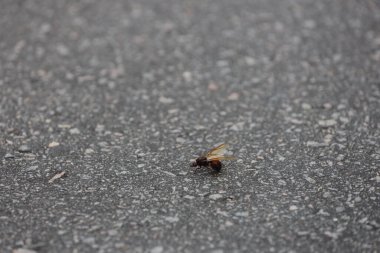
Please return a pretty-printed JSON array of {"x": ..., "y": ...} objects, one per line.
[
  {"x": 220, "y": 157},
  {"x": 218, "y": 150}
]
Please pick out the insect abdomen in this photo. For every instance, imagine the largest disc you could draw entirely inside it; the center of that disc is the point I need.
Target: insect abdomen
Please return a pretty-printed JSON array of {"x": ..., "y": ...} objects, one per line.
[{"x": 216, "y": 165}]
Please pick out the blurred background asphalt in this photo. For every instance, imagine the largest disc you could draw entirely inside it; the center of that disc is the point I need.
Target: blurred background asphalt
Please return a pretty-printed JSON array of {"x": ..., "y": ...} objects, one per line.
[{"x": 115, "y": 97}]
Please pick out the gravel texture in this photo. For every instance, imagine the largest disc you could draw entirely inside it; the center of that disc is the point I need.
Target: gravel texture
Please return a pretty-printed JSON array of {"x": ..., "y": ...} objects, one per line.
[{"x": 104, "y": 103}]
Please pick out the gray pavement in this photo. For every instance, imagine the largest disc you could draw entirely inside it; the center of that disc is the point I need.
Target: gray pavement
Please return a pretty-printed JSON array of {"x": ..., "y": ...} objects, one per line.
[{"x": 104, "y": 103}]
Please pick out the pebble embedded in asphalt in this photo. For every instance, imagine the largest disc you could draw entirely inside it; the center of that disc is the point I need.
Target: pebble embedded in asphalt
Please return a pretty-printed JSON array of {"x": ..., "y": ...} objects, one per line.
[{"x": 24, "y": 149}]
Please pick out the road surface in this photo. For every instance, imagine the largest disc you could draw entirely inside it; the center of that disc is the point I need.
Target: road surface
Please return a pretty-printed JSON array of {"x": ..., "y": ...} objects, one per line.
[{"x": 104, "y": 103}]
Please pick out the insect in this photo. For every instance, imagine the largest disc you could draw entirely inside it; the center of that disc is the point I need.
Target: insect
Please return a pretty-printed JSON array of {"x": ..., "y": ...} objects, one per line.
[{"x": 212, "y": 158}]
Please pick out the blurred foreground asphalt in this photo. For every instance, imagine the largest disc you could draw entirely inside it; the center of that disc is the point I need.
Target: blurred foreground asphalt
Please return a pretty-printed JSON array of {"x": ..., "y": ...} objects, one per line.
[{"x": 115, "y": 97}]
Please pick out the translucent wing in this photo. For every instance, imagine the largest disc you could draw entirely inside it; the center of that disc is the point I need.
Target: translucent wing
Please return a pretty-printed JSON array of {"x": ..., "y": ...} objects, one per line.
[
  {"x": 220, "y": 157},
  {"x": 217, "y": 153},
  {"x": 218, "y": 150}
]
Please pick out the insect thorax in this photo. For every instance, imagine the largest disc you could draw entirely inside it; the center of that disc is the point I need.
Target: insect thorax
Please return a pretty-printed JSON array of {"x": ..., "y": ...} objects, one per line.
[{"x": 202, "y": 161}]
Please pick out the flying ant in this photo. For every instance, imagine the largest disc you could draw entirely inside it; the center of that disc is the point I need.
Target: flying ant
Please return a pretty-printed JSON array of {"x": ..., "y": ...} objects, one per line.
[{"x": 212, "y": 159}]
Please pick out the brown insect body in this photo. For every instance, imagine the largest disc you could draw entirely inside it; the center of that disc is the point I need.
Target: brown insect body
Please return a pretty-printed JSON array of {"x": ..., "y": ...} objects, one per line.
[
  {"x": 212, "y": 158},
  {"x": 203, "y": 162}
]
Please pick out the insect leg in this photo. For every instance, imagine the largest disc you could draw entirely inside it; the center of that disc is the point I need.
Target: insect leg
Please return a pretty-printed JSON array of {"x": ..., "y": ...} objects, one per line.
[{"x": 196, "y": 169}]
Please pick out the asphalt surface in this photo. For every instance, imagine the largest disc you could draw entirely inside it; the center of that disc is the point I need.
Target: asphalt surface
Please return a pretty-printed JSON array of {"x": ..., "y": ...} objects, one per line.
[{"x": 104, "y": 103}]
